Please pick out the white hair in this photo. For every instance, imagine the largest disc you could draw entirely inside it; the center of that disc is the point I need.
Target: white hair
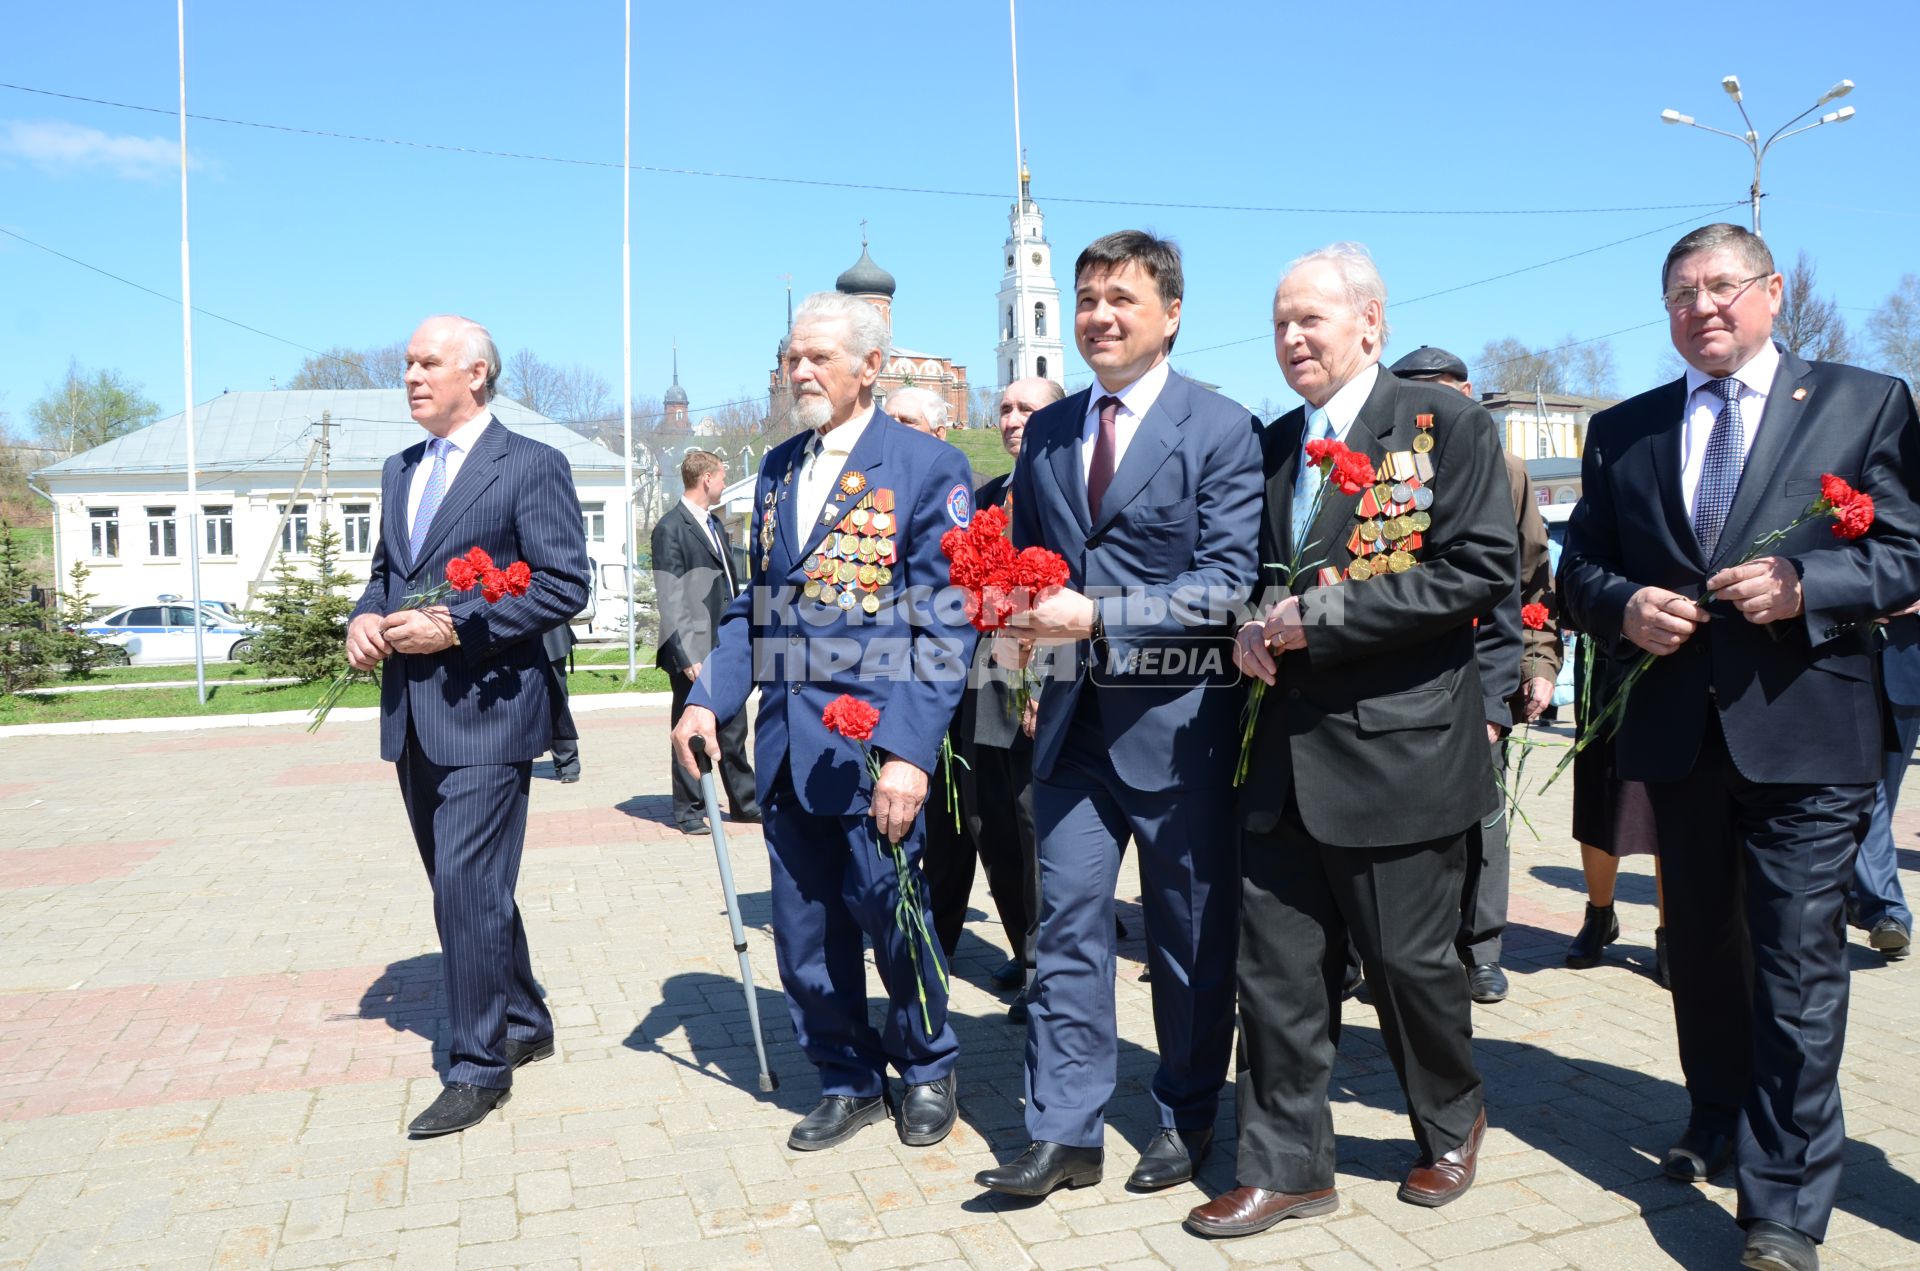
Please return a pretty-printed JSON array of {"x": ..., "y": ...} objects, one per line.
[
  {"x": 476, "y": 345},
  {"x": 1360, "y": 278},
  {"x": 867, "y": 330},
  {"x": 932, "y": 407}
]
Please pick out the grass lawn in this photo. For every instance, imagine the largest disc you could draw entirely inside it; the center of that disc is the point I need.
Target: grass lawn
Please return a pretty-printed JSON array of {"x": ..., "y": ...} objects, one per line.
[
  {"x": 239, "y": 699},
  {"x": 983, "y": 450},
  {"x": 149, "y": 674}
]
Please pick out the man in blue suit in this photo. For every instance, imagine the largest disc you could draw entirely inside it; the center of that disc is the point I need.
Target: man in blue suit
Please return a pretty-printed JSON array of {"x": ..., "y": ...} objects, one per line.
[
  {"x": 1877, "y": 903},
  {"x": 466, "y": 698},
  {"x": 1149, "y": 486},
  {"x": 846, "y": 562}
]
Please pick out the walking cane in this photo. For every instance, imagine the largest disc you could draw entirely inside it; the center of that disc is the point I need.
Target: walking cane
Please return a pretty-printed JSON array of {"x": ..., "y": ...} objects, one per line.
[{"x": 710, "y": 793}]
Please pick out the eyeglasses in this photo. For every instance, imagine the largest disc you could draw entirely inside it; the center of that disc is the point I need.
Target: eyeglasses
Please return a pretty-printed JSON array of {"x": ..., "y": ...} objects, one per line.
[{"x": 1680, "y": 299}]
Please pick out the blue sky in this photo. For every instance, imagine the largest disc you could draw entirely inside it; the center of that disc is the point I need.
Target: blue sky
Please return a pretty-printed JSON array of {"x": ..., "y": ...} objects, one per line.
[{"x": 1418, "y": 109}]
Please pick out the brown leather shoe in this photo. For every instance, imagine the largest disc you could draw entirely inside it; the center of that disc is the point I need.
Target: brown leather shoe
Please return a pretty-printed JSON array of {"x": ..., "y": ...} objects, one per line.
[
  {"x": 1245, "y": 1211},
  {"x": 1449, "y": 1177}
]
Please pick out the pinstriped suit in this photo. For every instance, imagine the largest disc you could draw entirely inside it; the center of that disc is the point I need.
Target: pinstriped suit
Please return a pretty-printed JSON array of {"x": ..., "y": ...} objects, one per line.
[{"x": 464, "y": 725}]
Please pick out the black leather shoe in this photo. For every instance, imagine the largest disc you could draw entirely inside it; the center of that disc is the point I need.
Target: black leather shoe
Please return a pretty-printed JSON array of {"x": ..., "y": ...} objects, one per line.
[
  {"x": 521, "y": 1053},
  {"x": 928, "y": 1111},
  {"x": 1171, "y": 1158},
  {"x": 1017, "y": 1010},
  {"x": 1488, "y": 983},
  {"x": 566, "y": 776},
  {"x": 1698, "y": 1156},
  {"x": 1600, "y": 929},
  {"x": 1890, "y": 937},
  {"x": 750, "y": 815},
  {"x": 695, "y": 828},
  {"x": 1661, "y": 970},
  {"x": 459, "y": 1107},
  {"x": 1009, "y": 974},
  {"x": 1044, "y": 1168},
  {"x": 1773, "y": 1247},
  {"x": 837, "y": 1119}
]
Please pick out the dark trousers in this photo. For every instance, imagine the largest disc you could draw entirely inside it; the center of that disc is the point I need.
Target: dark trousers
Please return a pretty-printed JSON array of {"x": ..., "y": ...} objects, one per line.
[
  {"x": 1301, "y": 902},
  {"x": 565, "y": 747},
  {"x": 1483, "y": 894},
  {"x": 1756, "y": 878},
  {"x": 1085, "y": 815},
  {"x": 947, "y": 859},
  {"x": 833, "y": 892},
  {"x": 733, "y": 770},
  {"x": 996, "y": 796},
  {"x": 470, "y": 824},
  {"x": 1877, "y": 894}
]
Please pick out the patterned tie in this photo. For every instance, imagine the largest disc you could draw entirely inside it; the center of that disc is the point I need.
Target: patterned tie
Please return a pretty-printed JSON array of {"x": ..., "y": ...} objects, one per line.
[
  {"x": 1100, "y": 475},
  {"x": 1306, "y": 482},
  {"x": 430, "y": 497},
  {"x": 1720, "y": 472}
]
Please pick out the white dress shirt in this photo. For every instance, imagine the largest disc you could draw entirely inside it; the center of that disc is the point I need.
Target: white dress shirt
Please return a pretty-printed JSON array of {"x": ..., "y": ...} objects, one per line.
[
  {"x": 1136, "y": 399},
  {"x": 1344, "y": 406},
  {"x": 459, "y": 442},
  {"x": 1703, "y": 410},
  {"x": 703, "y": 517},
  {"x": 821, "y": 467}
]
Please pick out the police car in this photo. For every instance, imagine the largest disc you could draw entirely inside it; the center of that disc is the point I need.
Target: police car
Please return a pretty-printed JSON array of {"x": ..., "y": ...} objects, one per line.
[{"x": 163, "y": 632}]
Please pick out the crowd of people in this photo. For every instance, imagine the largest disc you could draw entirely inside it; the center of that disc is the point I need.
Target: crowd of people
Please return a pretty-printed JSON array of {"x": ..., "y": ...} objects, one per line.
[{"x": 1360, "y": 596}]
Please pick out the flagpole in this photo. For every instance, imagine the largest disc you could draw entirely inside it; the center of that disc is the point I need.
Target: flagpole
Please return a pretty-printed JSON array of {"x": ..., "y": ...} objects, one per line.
[
  {"x": 626, "y": 340},
  {"x": 186, "y": 357}
]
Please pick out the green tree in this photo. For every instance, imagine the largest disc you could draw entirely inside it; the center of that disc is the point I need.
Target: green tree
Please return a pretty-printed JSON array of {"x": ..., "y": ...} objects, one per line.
[
  {"x": 27, "y": 648},
  {"x": 81, "y": 651},
  {"x": 88, "y": 408},
  {"x": 303, "y": 621}
]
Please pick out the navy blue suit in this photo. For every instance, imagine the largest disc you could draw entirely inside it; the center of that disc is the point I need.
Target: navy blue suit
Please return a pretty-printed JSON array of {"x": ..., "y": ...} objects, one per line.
[
  {"x": 1877, "y": 894},
  {"x": 464, "y": 725},
  {"x": 1131, "y": 755},
  {"x": 831, "y": 885}
]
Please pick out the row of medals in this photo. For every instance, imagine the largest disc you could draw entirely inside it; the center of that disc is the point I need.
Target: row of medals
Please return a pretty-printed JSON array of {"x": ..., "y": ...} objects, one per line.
[
  {"x": 857, "y": 556},
  {"x": 1396, "y": 513}
]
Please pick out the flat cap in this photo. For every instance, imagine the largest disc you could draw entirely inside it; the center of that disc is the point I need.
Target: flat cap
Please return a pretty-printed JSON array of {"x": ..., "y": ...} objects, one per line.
[{"x": 1426, "y": 362}]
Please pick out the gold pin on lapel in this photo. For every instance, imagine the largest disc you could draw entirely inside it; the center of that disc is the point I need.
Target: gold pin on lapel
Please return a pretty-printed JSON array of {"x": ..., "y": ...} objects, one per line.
[{"x": 1800, "y": 394}]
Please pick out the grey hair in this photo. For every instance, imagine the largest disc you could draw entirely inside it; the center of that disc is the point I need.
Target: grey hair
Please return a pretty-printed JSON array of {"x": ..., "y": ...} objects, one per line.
[
  {"x": 1749, "y": 246},
  {"x": 1359, "y": 277},
  {"x": 933, "y": 406},
  {"x": 867, "y": 330},
  {"x": 476, "y": 345}
]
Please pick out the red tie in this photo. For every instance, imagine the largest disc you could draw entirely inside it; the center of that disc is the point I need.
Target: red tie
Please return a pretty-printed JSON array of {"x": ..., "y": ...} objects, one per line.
[{"x": 1100, "y": 475}]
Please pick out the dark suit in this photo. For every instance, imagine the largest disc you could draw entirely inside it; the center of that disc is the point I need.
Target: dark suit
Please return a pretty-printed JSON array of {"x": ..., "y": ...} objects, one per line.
[
  {"x": 1135, "y": 755},
  {"x": 1760, "y": 747},
  {"x": 558, "y": 644},
  {"x": 693, "y": 585},
  {"x": 1877, "y": 894},
  {"x": 1368, "y": 770},
  {"x": 465, "y": 724},
  {"x": 833, "y": 888}
]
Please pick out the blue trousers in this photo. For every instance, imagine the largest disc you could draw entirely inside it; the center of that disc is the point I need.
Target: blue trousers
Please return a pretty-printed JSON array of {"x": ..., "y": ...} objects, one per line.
[
  {"x": 1084, "y": 816},
  {"x": 833, "y": 891},
  {"x": 470, "y": 824},
  {"x": 1877, "y": 894}
]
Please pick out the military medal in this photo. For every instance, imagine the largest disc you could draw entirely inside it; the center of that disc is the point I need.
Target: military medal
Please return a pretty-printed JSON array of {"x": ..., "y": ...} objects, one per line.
[
  {"x": 1422, "y": 521},
  {"x": 1422, "y": 499},
  {"x": 846, "y": 600},
  {"x": 859, "y": 517},
  {"x": 870, "y": 603},
  {"x": 882, "y": 522},
  {"x": 1360, "y": 570},
  {"x": 1400, "y": 562},
  {"x": 1424, "y": 441},
  {"x": 1423, "y": 467},
  {"x": 851, "y": 483}
]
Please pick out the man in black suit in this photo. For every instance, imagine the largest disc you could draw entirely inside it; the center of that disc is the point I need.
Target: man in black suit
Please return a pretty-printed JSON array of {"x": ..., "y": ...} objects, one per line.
[
  {"x": 1370, "y": 764},
  {"x": 996, "y": 788},
  {"x": 565, "y": 749},
  {"x": 693, "y": 582},
  {"x": 1758, "y": 728}
]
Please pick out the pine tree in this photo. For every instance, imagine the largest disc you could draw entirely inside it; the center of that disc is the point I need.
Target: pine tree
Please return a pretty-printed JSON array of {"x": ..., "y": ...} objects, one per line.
[
  {"x": 81, "y": 651},
  {"x": 27, "y": 648},
  {"x": 303, "y": 623}
]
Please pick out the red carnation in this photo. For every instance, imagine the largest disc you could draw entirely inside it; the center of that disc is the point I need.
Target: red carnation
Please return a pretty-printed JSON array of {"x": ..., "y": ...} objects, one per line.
[
  {"x": 1321, "y": 449},
  {"x": 1038, "y": 569},
  {"x": 1834, "y": 491},
  {"x": 461, "y": 576},
  {"x": 851, "y": 717},
  {"x": 1352, "y": 471},
  {"x": 1534, "y": 617},
  {"x": 519, "y": 578},
  {"x": 989, "y": 523},
  {"x": 479, "y": 559},
  {"x": 493, "y": 584},
  {"x": 1854, "y": 517}
]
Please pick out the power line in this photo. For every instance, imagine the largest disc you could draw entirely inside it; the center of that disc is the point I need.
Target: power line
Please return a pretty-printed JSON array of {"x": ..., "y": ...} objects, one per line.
[{"x": 857, "y": 185}]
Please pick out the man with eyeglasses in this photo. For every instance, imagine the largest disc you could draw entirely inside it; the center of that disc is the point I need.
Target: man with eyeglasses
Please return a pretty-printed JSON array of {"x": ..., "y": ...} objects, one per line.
[{"x": 1758, "y": 728}]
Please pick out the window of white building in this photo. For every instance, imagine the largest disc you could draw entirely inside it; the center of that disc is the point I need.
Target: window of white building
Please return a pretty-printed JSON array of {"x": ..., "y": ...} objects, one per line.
[
  {"x": 219, "y": 522},
  {"x": 163, "y": 533},
  {"x": 357, "y": 533},
  {"x": 595, "y": 516},
  {"x": 105, "y": 528},
  {"x": 293, "y": 535}
]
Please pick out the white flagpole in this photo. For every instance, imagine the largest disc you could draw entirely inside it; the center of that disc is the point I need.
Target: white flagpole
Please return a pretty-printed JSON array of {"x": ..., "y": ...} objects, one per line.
[
  {"x": 1013, "y": 45},
  {"x": 186, "y": 357},
  {"x": 626, "y": 341}
]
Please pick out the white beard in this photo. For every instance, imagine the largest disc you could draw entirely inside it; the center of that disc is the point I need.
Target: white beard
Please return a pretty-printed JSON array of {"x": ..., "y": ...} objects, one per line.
[{"x": 812, "y": 410}]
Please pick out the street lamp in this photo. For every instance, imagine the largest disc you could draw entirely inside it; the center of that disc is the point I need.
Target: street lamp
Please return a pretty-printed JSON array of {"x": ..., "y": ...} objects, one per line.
[{"x": 1751, "y": 138}]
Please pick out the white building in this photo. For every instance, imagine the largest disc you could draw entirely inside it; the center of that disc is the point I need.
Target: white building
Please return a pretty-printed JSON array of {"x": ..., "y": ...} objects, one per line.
[
  {"x": 1029, "y": 303},
  {"x": 272, "y": 467}
]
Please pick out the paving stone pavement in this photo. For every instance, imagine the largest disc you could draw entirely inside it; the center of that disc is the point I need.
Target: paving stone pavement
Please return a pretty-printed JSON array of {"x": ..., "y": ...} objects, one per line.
[{"x": 219, "y": 1006}]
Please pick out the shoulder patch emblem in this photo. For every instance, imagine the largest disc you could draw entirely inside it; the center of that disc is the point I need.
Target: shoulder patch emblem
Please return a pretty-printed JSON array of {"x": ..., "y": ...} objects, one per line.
[{"x": 960, "y": 505}]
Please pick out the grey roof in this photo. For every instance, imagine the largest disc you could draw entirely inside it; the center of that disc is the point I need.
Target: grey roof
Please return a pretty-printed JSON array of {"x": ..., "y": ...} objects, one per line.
[
  {"x": 271, "y": 432},
  {"x": 863, "y": 278}
]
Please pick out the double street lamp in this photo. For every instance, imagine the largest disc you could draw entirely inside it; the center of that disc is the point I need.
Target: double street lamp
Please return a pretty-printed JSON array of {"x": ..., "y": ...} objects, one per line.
[{"x": 1752, "y": 138}]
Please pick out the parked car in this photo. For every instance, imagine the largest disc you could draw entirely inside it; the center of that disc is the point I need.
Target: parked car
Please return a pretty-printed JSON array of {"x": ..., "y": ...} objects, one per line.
[{"x": 152, "y": 634}]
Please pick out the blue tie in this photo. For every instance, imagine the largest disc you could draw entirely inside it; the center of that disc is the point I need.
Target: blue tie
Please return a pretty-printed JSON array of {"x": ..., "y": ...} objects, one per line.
[
  {"x": 430, "y": 497},
  {"x": 1720, "y": 471},
  {"x": 1306, "y": 482}
]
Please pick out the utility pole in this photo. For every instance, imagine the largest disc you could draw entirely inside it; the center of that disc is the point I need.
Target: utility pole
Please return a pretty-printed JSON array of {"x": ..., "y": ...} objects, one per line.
[
  {"x": 1751, "y": 138},
  {"x": 326, "y": 459}
]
